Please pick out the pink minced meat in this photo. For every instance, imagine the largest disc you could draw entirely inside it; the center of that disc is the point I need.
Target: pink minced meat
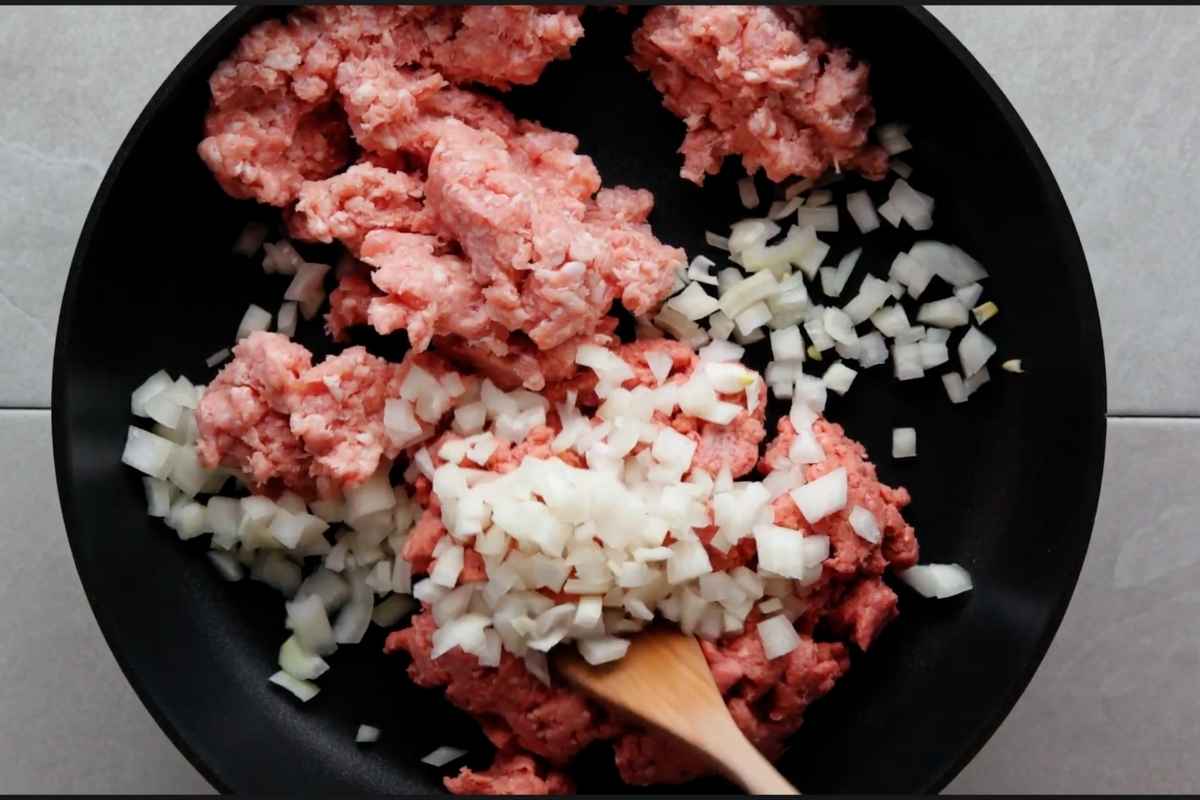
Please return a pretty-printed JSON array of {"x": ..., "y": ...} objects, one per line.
[
  {"x": 757, "y": 81},
  {"x": 513, "y": 774},
  {"x": 284, "y": 424},
  {"x": 273, "y": 122},
  {"x": 766, "y": 698}
]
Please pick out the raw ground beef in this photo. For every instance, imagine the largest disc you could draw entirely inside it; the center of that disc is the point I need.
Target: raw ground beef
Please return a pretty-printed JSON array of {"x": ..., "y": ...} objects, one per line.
[
  {"x": 767, "y": 698},
  {"x": 282, "y": 423},
  {"x": 757, "y": 81}
]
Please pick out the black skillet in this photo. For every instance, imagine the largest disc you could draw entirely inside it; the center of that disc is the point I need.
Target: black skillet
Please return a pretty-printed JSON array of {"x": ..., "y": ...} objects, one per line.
[{"x": 1006, "y": 484}]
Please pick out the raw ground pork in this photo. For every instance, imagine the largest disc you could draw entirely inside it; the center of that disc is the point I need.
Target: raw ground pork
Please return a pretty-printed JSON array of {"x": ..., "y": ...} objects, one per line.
[
  {"x": 757, "y": 81},
  {"x": 523, "y": 717},
  {"x": 476, "y": 228}
]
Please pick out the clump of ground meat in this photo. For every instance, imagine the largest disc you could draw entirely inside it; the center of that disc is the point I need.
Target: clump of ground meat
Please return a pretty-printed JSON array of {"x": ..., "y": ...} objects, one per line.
[
  {"x": 757, "y": 81},
  {"x": 767, "y": 698},
  {"x": 273, "y": 122},
  {"x": 281, "y": 423}
]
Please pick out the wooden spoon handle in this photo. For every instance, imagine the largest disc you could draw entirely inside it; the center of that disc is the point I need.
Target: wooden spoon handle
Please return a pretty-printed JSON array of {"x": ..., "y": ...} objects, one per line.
[{"x": 740, "y": 761}]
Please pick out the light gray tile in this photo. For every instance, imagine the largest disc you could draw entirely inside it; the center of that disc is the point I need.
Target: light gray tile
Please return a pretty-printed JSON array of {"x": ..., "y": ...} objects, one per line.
[
  {"x": 1114, "y": 706},
  {"x": 1109, "y": 94},
  {"x": 64, "y": 118},
  {"x": 70, "y": 723}
]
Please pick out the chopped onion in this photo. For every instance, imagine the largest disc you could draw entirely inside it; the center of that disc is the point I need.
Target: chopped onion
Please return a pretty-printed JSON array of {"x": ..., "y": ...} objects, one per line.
[
  {"x": 862, "y": 211},
  {"x": 752, "y": 318},
  {"x": 891, "y": 320},
  {"x": 303, "y": 690},
  {"x": 811, "y": 261},
  {"x": 1012, "y": 365},
  {"x": 823, "y": 496},
  {"x": 865, "y": 525},
  {"x": 985, "y": 312},
  {"x": 285, "y": 321},
  {"x": 810, "y": 393},
  {"x": 719, "y": 352},
  {"x": 781, "y": 551},
  {"x": 306, "y": 618},
  {"x": 603, "y": 649},
  {"x": 713, "y": 240},
  {"x": 904, "y": 442},
  {"x": 969, "y": 295},
  {"x": 915, "y": 207},
  {"x": 218, "y": 357},
  {"x": 873, "y": 350},
  {"x": 784, "y": 208},
  {"x": 948, "y": 313},
  {"x": 821, "y": 197},
  {"x": 891, "y": 137},
  {"x": 937, "y": 580},
  {"x": 443, "y": 756},
  {"x": 250, "y": 239},
  {"x": 954, "y": 387},
  {"x": 688, "y": 560},
  {"x": 698, "y": 270},
  {"x": 330, "y": 587},
  {"x": 681, "y": 327},
  {"x": 747, "y": 192},
  {"x": 779, "y": 257},
  {"x": 799, "y": 187},
  {"x": 366, "y": 734},
  {"x": 872, "y": 294},
  {"x": 839, "y": 326},
  {"x": 281, "y": 258},
  {"x": 787, "y": 344},
  {"x": 891, "y": 212},
  {"x": 839, "y": 377},
  {"x": 778, "y": 636},
  {"x": 369, "y": 497},
  {"x": 805, "y": 448},
  {"x": 833, "y": 281},
  {"x": 298, "y": 662},
  {"x": 973, "y": 382},
  {"x": 151, "y": 387},
  {"x": 823, "y": 219},
  {"x": 974, "y": 351},
  {"x": 913, "y": 273},
  {"x": 900, "y": 168},
  {"x": 750, "y": 232},
  {"x": 933, "y": 354},
  {"x": 948, "y": 262},
  {"x": 694, "y": 303},
  {"x": 255, "y": 319},
  {"x": 720, "y": 325},
  {"x": 355, "y": 617},
  {"x": 147, "y": 453},
  {"x": 906, "y": 360},
  {"x": 745, "y": 293},
  {"x": 307, "y": 288},
  {"x": 936, "y": 336}
]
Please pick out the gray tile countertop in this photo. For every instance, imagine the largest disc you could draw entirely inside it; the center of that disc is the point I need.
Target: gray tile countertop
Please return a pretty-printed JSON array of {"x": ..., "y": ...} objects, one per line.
[{"x": 1109, "y": 94}]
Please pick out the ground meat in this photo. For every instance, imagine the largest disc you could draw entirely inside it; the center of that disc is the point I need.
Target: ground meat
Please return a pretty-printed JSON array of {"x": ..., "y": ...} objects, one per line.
[
  {"x": 864, "y": 611},
  {"x": 510, "y": 773},
  {"x": 362, "y": 199},
  {"x": 757, "y": 81},
  {"x": 271, "y": 125},
  {"x": 282, "y": 423},
  {"x": 349, "y": 301}
]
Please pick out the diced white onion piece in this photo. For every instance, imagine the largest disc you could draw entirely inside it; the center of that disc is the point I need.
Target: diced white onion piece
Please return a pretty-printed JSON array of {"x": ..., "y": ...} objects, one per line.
[
  {"x": 839, "y": 377},
  {"x": 720, "y": 325},
  {"x": 973, "y": 382},
  {"x": 281, "y": 258},
  {"x": 688, "y": 560},
  {"x": 369, "y": 497},
  {"x": 810, "y": 262},
  {"x": 158, "y": 496},
  {"x": 307, "y": 288},
  {"x": 787, "y": 344},
  {"x": 891, "y": 137},
  {"x": 781, "y": 551},
  {"x": 914, "y": 334},
  {"x": 985, "y": 312},
  {"x": 752, "y": 318},
  {"x": 603, "y": 649},
  {"x": 446, "y": 571},
  {"x": 913, "y": 273},
  {"x": 969, "y": 295},
  {"x": 285, "y": 321},
  {"x": 443, "y": 756},
  {"x": 974, "y": 351},
  {"x": 805, "y": 448},
  {"x": 872, "y": 294},
  {"x": 783, "y": 208},
  {"x": 823, "y": 496},
  {"x": 468, "y": 419},
  {"x": 330, "y": 587},
  {"x": 227, "y": 565},
  {"x": 821, "y": 197},
  {"x": 904, "y": 442},
  {"x": 891, "y": 212},
  {"x": 250, "y": 239},
  {"x": 823, "y": 219},
  {"x": 936, "y": 336},
  {"x": 800, "y": 186},
  {"x": 954, "y": 387},
  {"x": 947, "y": 313},
  {"x": 152, "y": 386},
  {"x": 306, "y": 617},
  {"x": 745, "y": 293},
  {"x": 906, "y": 360},
  {"x": 916, "y": 208},
  {"x": 948, "y": 262},
  {"x": 937, "y": 580},
  {"x": 833, "y": 282},
  {"x": 366, "y": 734},
  {"x": 747, "y": 192},
  {"x": 750, "y": 232},
  {"x": 713, "y": 240},
  {"x": 1012, "y": 365},
  {"x": 778, "y": 636},
  {"x": 865, "y": 525},
  {"x": 163, "y": 409},
  {"x": 392, "y": 610},
  {"x": 694, "y": 303},
  {"x": 255, "y": 319},
  {"x": 720, "y": 352},
  {"x": 745, "y": 340},
  {"x": 811, "y": 393},
  {"x": 147, "y": 453},
  {"x": 217, "y": 357},
  {"x": 900, "y": 168},
  {"x": 862, "y": 211},
  {"x": 300, "y": 663},
  {"x": 303, "y": 690},
  {"x": 839, "y": 326},
  {"x": 355, "y": 617},
  {"x": 873, "y": 350},
  {"x": 933, "y": 354},
  {"x": 890, "y": 321}
]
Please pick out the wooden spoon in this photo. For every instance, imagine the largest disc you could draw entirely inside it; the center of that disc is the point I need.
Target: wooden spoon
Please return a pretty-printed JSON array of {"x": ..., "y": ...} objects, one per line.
[{"x": 664, "y": 681}]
